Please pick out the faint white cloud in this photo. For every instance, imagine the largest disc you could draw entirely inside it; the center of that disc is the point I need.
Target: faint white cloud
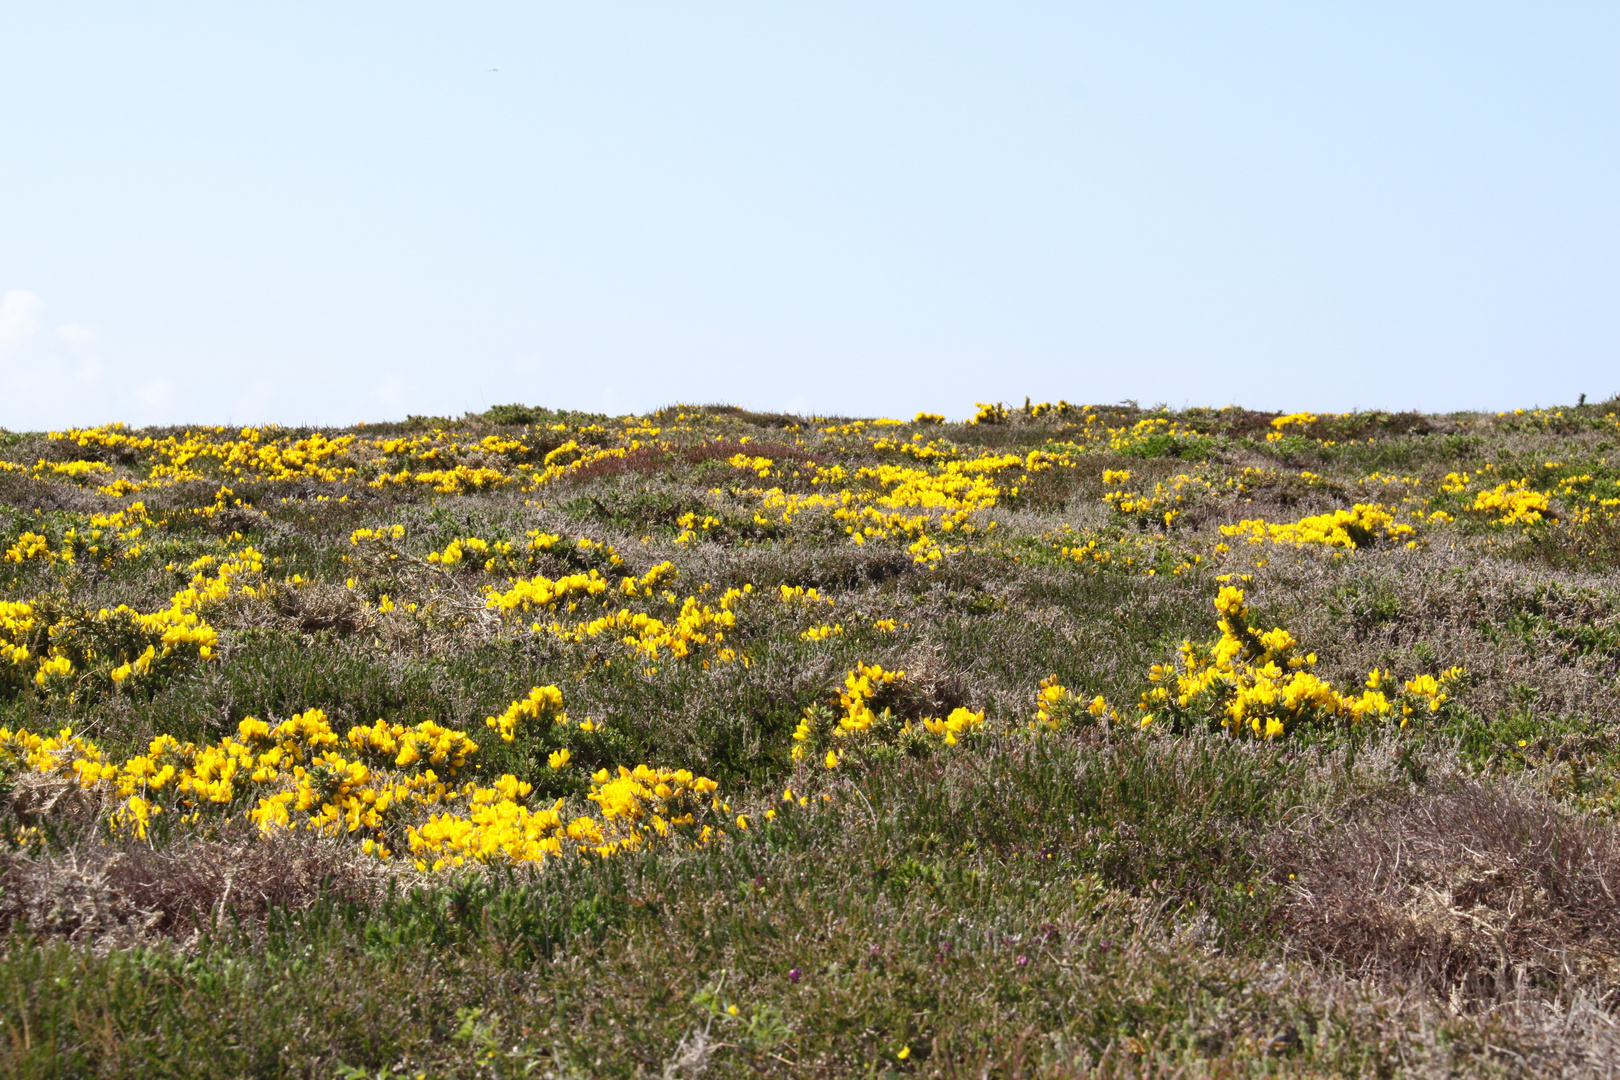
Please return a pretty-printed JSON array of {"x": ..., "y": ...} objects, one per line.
[
  {"x": 392, "y": 393},
  {"x": 155, "y": 395},
  {"x": 20, "y": 312},
  {"x": 47, "y": 376},
  {"x": 526, "y": 365}
]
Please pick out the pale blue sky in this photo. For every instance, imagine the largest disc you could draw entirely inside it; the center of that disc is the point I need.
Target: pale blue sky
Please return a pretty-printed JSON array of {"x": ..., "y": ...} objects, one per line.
[{"x": 333, "y": 212}]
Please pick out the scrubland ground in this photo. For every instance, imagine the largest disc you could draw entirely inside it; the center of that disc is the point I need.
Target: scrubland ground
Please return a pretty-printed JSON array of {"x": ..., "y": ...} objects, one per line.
[{"x": 1069, "y": 741}]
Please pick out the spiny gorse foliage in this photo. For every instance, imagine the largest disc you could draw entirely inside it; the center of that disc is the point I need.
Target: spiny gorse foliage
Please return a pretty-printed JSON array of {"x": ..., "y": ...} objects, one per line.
[{"x": 1069, "y": 740}]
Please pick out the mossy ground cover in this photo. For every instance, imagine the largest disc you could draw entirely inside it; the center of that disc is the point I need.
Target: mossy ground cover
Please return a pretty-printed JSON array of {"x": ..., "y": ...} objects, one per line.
[{"x": 1076, "y": 740}]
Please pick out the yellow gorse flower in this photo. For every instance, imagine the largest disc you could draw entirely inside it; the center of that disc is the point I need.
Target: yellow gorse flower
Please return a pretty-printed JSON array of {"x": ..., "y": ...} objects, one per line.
[
  {"x": 1255, "y": 683},
  {"x": 543, "y": 703},
  {"x": 1344, "y": 530},
  {"x": 29, "y": 644},
  {"x": 1513, "y": 503},
  {"x": 368, "y": 784}
]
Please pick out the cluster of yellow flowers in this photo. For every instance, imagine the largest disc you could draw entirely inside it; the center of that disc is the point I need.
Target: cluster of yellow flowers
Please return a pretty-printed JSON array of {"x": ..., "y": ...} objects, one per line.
[
  {"x": 799, "y": 594},
  {"x": 17, "y": 622},
  {"x": 961, "y": 721},
  {"x": 1093, "y": 433},
  {"x": 448, "y": 481},
  {"x": 761, "y": 466},
  {"x": 696, "y": 624},
  {"x": 1123, "y": 439},
  {"x": 379, "y": 535},
  {"x": 873, "y": 508},
  {"x": 368, "y": 784},
  {"x": 543, "y": 701},
  {"x": 51, "y": 652},
  {"x": 690, "y": 525},
  {"x": 572, "y": 459},
  {"x": 1255, "y": 683},
  {"x": 630, "y": 585},
  {"x": 78, "y": 472},
  {"x": 1057, "y": 707},
  {"x": 456, "y": 550},
  {"x": 1341, "y": 530},
  {"x": 181, "y": 623},
  {"x": 1164, "y": 504},
  {"x": 867, "y": 704},
  {"x": 1150, "y": 552},
  {"x": 884, "y": 502},
  {"x": 636, "y": 805},
  {"x": 541, "y": 591},
  {"x": 31, "y": 545},
  {"x": 1528, "y": 501},
  {"x": 62, "y": 754},
  {"x": 915, "y": 448},
  {"x": 867, "y": 523},
  {"x": 113, "y": 535},
  {"x": 1514, "y": 502},
  {"x": 860, "y": 688},
  {"x": 104, "y": 538},
  {"x": 1093, "y": 552},
  {"x": 1281, "y": 423},
  {"x": 489, "y": 555},
  {"x": 961, "y": 486},
  {"x": 265, "y": 454},
  {"x": 296, "y": 774}
]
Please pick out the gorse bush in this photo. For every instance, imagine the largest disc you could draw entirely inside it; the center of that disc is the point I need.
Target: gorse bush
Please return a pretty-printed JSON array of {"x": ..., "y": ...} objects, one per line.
[
  {"x": 1257, "y": 682},
  {"x": 1067, "y": 740}
]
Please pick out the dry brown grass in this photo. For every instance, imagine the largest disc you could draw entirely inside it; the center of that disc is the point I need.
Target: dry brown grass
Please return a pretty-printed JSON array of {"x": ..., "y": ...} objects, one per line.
[
  {"x": 107, "y": 897},
  {"x": 1476, "y": 895},
  {"x": 319, "y": 606}
]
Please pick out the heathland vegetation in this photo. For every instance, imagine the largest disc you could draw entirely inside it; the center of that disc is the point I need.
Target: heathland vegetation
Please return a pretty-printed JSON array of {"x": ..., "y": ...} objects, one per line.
[{"x": 1069, "y": 740}]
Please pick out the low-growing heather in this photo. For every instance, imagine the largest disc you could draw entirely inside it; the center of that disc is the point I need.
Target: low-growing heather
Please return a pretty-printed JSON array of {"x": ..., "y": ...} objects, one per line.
[{"x": 1072, "y": 740}]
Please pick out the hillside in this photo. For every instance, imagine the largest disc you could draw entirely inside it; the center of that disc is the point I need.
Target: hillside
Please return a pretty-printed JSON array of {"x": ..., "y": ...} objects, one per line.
[{"x": 1071, "y": 740}]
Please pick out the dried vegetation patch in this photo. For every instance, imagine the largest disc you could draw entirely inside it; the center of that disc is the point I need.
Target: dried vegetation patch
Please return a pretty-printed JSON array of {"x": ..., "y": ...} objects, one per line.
[
  {"x": 1477, "y": 895},
  {"x": 112, "y": 898}
]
